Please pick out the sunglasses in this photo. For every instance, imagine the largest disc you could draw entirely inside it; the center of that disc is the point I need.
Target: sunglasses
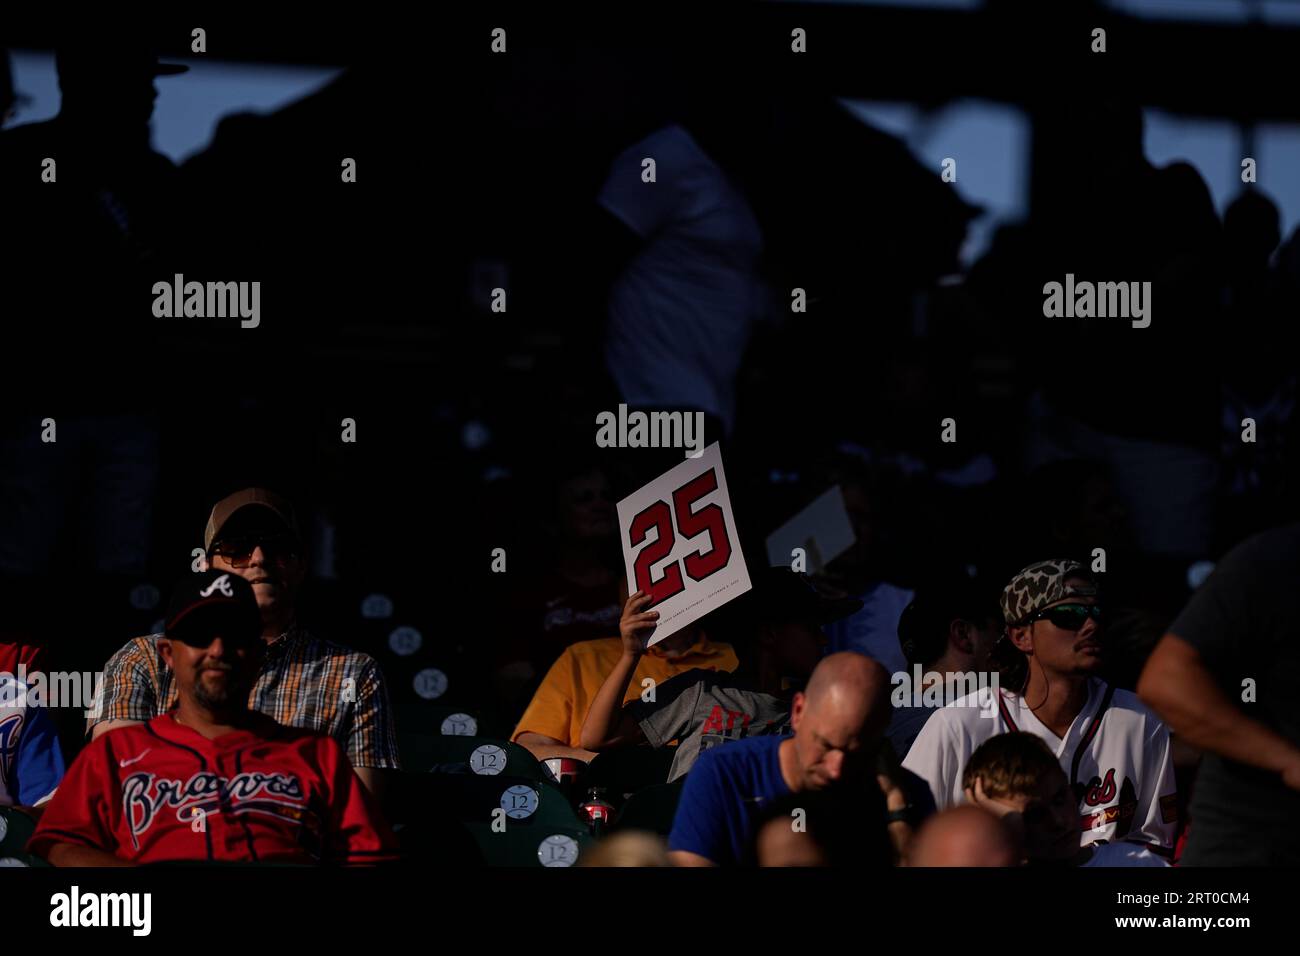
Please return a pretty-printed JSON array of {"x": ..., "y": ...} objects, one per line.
[
  {"x": 239, "y": 551},
  {"x": 1069, "y": 617}
]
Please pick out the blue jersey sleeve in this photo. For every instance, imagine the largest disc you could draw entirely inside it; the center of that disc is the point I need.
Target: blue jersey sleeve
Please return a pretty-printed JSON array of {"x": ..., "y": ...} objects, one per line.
[{"x": 38, "y": 766}]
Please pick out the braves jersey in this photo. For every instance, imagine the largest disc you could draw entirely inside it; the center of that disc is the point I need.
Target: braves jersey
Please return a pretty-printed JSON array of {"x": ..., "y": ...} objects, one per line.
[
  {"x": 1116, "y": 755},
  {"x": 161, "y": 791},
  {"x": 31, "y": 761}
]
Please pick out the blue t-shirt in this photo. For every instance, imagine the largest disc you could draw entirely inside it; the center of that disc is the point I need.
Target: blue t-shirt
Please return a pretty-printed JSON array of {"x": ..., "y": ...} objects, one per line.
[{"x": 725, "y": 794}]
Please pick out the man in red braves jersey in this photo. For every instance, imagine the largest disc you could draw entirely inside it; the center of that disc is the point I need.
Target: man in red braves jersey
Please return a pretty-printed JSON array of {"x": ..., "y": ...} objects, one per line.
[{"x": 211, "y": 779}]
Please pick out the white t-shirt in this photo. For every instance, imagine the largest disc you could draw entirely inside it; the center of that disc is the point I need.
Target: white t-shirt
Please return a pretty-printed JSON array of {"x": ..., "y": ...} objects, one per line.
[
  {"x": 681, "y": 313},
  {"x": 1123, "y": 854},
  {"x": 1122, "y": 767}
]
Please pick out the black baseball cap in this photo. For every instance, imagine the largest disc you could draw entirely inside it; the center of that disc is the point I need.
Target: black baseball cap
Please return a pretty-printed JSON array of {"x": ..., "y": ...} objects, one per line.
[{"x": 212, "y": 603}]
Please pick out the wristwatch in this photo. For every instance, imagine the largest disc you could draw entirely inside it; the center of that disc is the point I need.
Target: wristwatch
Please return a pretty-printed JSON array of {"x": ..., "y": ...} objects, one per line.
[{"x": 902, "y": 815}]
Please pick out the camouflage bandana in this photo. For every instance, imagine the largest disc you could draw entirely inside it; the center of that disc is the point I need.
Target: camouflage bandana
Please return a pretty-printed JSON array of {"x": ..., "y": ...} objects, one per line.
[{"x": 1041, "y": 584}]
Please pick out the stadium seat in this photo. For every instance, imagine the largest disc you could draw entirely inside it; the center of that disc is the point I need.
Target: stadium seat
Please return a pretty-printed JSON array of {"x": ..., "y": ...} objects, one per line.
[
  {"x": 470, "y": 799},
  {"x": 651, "y": 809},
  {"x": 532, "y": 846},
  {"x": 15, "y": 830},
  {"x": 445, "y": 753}
]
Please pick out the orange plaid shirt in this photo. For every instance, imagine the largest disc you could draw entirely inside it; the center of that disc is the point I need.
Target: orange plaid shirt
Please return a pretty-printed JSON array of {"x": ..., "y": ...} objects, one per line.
[{"x": 305, "y": 682}]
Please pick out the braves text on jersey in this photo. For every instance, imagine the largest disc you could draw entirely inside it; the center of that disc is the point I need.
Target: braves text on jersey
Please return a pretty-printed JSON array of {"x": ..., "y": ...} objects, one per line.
[
  {"x": 1116, "y": 755},
  {"x": 161, "y": 791}
]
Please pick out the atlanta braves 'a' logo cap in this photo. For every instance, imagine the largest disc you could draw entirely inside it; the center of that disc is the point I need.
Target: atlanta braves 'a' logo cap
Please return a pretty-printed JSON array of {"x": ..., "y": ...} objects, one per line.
[{"x": 211, "y": 603}]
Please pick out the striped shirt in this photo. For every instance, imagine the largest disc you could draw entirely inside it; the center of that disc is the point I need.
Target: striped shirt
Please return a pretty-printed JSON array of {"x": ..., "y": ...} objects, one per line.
[{"x": 305, "y": 682}]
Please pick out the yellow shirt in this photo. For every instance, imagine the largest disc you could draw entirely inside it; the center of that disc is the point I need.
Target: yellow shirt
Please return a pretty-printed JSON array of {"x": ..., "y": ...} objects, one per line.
[{"x": 560, "y": 705}]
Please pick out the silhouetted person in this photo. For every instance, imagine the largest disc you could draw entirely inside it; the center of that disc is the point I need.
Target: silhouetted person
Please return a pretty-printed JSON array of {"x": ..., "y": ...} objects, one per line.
[
  {"x": 88, "y": 212},
  {"x": 110, "y": 177},
  {"x": 1251, "y": 231},
  {"x": 1259, "y": 377},
  {"x": 1105, "y": 213}
]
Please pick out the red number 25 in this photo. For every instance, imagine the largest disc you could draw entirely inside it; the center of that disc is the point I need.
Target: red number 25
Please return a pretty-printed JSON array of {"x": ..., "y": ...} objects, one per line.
[{"x": 690, "y": 523}]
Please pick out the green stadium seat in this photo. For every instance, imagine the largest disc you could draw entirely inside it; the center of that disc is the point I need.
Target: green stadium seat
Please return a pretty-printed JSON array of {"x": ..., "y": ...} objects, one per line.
[
  {"x": 17, "y": 828},
  {"x": 452, "y": 753},
  {"x": 471, "y": 799}
]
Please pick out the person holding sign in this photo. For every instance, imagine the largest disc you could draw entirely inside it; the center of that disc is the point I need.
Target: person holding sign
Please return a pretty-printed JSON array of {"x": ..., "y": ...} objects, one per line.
[
  {"x": 552, "y": 724},
  {"x": 777, "y": 631}
]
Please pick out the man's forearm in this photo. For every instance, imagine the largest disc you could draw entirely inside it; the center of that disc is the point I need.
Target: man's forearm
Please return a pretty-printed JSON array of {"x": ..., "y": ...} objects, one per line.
[
  {"x": 900, "y": 836},
  {"x": 544, "y": 748},
  {"x": 1179, "y": 687},
  {"x": 104, "y": 726}
]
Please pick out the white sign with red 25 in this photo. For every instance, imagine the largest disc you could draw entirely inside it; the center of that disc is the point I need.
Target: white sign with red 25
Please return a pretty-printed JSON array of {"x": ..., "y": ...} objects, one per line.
[{"x": 680, "y": 543}]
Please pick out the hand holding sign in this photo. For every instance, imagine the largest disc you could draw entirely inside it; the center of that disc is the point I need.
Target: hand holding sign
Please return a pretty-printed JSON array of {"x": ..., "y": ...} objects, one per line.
[
  {"x": 637, "y": 623},
  {"x": 680, "y": 546}
]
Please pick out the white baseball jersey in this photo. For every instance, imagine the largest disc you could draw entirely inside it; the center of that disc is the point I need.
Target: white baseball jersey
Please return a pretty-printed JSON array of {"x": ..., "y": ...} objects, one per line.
[
  {"x": 31, "y": 763},
  {"x": 1116, "y": 755},
  {"x": 1124, "y": 853}
]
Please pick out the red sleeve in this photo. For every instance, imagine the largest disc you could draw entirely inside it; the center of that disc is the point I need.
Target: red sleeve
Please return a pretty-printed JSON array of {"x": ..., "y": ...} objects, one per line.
[
  {"x": 79, "y": 810},
  {"x": 33, "y": 658},
  {"x": 28, "y": 655},
  {"x": 359, "y": 834}
]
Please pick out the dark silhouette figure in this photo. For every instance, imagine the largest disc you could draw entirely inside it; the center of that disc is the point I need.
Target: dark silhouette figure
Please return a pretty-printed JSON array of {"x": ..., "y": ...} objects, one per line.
[{"x": 90, "y": 213}]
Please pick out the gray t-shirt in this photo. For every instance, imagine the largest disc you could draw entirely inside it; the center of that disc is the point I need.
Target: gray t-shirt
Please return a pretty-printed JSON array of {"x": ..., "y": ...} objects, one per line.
[{"x": 702, "y": 709}]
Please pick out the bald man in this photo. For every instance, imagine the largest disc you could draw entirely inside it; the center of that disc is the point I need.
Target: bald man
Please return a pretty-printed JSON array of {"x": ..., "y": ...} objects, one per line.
[
  {"x": 837, "y": 721},
  {"x": 964, "y": 836}
]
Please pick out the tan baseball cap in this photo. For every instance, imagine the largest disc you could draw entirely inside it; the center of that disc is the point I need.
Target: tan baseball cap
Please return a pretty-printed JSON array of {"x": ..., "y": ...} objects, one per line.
[{"x": 225, "y": 509}]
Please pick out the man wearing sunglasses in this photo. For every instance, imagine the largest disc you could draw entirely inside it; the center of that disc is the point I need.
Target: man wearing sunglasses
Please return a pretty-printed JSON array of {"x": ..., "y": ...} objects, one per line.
[
  {"x": 1115, "y": 752},
  {"x": 212, "y": 780},
  {"x": 303, "y": 682}
]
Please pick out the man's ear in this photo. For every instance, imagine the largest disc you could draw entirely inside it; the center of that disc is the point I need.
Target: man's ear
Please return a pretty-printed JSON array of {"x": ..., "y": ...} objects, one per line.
[
  {"x": 165, "y": 649},
  {"x": 1021, "y": 638},
  {"x": 959, "y": 635},
  {"x": 796, "y": 708}
]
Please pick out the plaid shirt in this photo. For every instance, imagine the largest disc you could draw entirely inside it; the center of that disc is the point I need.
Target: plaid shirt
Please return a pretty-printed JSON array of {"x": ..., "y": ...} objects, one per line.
[{"x": 305, "y": 682}]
